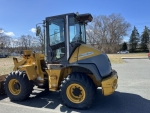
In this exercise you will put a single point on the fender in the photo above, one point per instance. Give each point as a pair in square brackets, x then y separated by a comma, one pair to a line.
[91, 67]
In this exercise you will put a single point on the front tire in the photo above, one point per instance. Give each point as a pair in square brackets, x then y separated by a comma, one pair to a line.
[17, 86]
[77, 91]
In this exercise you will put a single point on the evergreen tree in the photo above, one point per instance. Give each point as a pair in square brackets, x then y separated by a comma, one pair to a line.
[134, 39]
[145, 38]
[124, 46]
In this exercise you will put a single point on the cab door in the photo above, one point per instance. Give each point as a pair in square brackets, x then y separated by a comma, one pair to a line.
[56, 41]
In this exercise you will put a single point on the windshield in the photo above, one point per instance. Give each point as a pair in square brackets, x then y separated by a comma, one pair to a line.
[76, 30]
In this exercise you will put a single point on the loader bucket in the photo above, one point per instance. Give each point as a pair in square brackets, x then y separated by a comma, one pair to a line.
[2, 78]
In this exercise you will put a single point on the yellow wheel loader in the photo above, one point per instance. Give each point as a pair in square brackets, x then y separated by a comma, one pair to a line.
[69, 65]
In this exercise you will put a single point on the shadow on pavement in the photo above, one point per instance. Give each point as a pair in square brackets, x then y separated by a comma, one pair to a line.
[118, 102]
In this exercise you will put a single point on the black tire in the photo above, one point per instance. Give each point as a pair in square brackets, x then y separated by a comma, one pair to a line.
[2, 91]
[86, 83]
[24, 86]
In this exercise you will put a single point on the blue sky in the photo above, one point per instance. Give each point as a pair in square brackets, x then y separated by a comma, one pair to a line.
[18, 17]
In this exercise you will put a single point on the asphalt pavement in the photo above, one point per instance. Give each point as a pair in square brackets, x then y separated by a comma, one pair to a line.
[131, 96]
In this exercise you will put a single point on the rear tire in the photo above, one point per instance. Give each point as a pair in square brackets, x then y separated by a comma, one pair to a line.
[77, 91]
[17, 86]
[2, 91]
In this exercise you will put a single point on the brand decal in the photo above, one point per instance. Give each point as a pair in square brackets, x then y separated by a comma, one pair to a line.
[85, 54]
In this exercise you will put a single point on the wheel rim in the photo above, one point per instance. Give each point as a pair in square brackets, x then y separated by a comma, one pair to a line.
[14, 87]
[75, 93]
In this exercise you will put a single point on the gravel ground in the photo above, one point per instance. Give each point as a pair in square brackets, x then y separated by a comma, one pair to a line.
[131, 96]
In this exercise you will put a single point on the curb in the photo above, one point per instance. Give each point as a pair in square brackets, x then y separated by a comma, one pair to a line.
[134, 57]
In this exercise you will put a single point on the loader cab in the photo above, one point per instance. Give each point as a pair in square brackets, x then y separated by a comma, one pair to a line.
[63, 34]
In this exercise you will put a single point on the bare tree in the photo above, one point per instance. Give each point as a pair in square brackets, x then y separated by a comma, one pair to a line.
[41, 41]
[106, 32]
[21, 43]
[29, 41]
[4, 39]
[24, 42]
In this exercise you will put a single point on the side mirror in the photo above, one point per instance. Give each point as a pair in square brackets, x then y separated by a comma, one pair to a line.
[38, 30]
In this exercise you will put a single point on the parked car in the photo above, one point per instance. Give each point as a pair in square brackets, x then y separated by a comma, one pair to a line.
[123, 52]
[3, 56]
[149, 55]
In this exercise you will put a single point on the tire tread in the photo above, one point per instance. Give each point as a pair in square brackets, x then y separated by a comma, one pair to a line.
[88, 85]
[26, 85]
